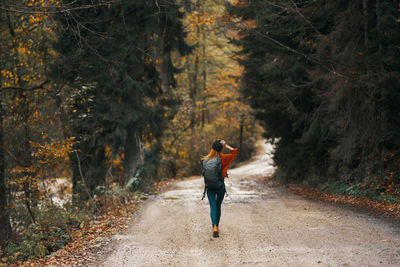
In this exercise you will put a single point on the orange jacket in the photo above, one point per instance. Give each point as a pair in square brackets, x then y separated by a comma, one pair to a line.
[226, 159]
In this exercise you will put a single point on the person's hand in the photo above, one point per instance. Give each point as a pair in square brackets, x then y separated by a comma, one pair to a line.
[223, 143]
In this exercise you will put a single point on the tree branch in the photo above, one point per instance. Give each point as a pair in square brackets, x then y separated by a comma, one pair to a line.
[305, 19]
[331, 70]
[40, 86]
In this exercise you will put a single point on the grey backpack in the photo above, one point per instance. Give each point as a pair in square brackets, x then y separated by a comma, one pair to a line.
[212, 171]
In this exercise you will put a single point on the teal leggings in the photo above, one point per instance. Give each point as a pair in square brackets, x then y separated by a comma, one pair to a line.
[215, 197]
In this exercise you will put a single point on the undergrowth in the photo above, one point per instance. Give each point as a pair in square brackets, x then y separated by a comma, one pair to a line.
[52, 226]
[357, 190]
[382, 193]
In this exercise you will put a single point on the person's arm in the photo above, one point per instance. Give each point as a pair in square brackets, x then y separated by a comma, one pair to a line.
[224, 144]
[227, 159]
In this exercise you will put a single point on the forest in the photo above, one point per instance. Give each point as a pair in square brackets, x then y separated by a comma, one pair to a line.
[323, 78]
[101, 98]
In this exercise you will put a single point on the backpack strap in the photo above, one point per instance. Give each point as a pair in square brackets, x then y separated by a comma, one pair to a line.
[202, 172]
[204, 192]
[202, 167]
[220, 161]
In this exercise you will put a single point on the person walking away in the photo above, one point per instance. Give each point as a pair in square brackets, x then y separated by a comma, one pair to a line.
[215, 166]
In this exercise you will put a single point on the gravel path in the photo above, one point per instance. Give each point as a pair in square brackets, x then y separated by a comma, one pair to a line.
[261, 225]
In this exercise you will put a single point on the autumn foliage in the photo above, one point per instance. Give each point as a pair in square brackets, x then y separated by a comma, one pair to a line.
[100, 99]
[97, 104]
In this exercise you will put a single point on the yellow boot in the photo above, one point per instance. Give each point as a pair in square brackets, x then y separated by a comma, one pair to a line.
[215, 231]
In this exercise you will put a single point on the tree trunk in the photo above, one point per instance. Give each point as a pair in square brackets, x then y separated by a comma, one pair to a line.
[193, 84]
[204, 104]
[193, 75]
[91, 171]
[195, 90]
[365, 19]
[241, 141]
[4, 215]
[378, 25]
[167, 68]
[132, 153]
[78, 193]
[77, 187]
[87, 166]
[192, 92]
[167, 75]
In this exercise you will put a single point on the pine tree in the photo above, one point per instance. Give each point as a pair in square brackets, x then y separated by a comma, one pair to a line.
[275, 81]
[110, 59]
[322, 77]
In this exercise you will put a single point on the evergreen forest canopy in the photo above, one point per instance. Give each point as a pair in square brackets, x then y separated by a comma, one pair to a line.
[324, 78]
[109, 96]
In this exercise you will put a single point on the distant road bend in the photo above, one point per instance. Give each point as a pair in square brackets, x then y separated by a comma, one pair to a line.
[260, 226]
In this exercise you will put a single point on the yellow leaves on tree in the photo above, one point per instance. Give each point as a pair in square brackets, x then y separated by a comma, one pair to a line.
[195, 21]
[182, 153]
[53, 152]
[46, 157]
[240, 3]
[41, 5]
[24, 43]
[114, 160]
[209, 90]
[198, 19]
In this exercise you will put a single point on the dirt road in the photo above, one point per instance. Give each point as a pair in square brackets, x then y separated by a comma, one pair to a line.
[260, 226]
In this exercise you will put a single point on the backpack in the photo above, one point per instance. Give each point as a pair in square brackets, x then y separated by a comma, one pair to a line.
[212, 172]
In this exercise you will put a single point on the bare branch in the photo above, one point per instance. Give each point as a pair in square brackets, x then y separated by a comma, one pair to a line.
[40, 86]
[305, 19]
[84, 184]
[311, 59]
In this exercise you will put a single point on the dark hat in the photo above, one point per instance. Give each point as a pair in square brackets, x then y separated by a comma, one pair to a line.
[217, 146]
